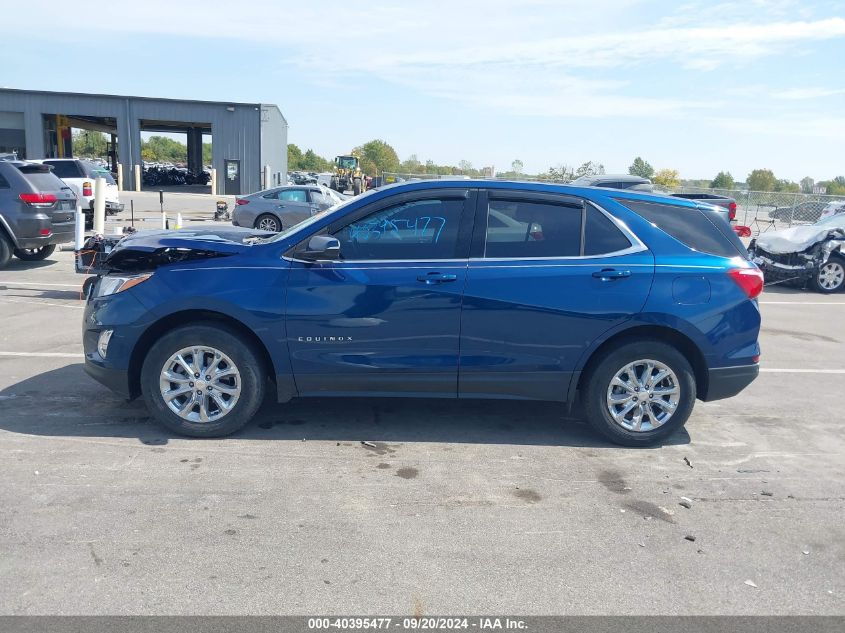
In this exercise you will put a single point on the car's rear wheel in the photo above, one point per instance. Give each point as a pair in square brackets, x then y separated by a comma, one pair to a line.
[830, 276]
[35, 254]
[639, 393]
[5, 250]
[268, 222]
[203, 380]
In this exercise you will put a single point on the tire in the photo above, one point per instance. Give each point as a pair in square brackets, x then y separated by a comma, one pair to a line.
[356, 187]
[270, 222]
[599, 390]
[5, 250]
[830, 277]
[235, 353]
[35, 254]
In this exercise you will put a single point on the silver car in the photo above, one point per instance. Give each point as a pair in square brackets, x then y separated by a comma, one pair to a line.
[281, 207]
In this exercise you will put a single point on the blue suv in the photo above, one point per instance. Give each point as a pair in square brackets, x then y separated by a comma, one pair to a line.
[636, 304]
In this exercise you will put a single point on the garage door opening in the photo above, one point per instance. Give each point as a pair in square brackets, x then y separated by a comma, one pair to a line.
[176, 156]
[86, 137]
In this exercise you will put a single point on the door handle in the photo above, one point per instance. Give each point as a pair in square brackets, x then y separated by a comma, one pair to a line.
[436, 278]
[610, 274]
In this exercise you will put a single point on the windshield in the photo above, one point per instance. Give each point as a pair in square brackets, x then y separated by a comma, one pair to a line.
[836, 221]
[347, 162]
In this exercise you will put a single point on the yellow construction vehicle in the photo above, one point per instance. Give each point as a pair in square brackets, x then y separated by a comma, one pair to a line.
[348, 175]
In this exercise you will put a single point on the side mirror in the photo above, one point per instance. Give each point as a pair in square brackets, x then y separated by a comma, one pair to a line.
[321, 247]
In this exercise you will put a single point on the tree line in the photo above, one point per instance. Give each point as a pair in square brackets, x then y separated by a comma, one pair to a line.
[156, 149]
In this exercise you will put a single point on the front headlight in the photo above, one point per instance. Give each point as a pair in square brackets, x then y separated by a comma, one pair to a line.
[112, 284]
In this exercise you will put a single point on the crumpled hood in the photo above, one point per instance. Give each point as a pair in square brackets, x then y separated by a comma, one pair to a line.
[794, 239]
[146, 250]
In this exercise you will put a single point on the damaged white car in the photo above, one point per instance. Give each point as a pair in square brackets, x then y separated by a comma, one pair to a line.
[812, 254]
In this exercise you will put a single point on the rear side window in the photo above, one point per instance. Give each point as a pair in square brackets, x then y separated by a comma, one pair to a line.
[690, 226]
[4, 184]
[532, 229]
[65, 168]
[601, 236]
[41, 177]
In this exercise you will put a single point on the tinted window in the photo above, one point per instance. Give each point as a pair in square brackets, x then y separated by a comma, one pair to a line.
[691, 227]
[293, 195]
[65, 168]
[41, 178]
[4, 184]
[602, 236]
[610, 184]
[532, 229]
[418, 230]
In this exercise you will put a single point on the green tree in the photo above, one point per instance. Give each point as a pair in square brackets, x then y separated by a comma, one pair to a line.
[206, 153]
[465, 166]
[559, 173]
[787, 186]
[807, 184]
[165, 150]
[668, 178]
[294, 157]
[89, 143]
[517, 167]
[377, 156]
[723, 180]
[589, 169]
[411, 166]
[836, 187]
[311, 161]
[761, 180]
[641, 168]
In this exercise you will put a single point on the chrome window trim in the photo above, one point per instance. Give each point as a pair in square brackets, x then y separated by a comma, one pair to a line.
[637, 245]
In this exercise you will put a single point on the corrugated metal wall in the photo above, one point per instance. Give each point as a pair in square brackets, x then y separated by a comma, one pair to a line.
[236, 128]
[274, 144]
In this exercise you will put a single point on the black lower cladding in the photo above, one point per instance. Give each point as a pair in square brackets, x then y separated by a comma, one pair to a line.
[725, 382]
[115, 379]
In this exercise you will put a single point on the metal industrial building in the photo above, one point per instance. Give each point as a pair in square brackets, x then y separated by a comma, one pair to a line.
[249, 140]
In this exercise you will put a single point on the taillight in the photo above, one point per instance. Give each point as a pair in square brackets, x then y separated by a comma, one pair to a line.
[38, 199]
[749, 279]
[240, 201]
[732, 210]
[87, 189]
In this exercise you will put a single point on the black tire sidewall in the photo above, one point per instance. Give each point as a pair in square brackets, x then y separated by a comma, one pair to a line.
[602, 372]
[236, 347]
[42, 253]
[5, 250]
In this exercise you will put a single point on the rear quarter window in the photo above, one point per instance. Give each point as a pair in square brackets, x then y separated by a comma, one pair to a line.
[690, 226]
[65, 168]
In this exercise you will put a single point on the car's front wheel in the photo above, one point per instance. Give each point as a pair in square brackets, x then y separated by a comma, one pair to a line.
[35, 254]
[830, 277]
[203, 380]
[639, 393]
[268, 222]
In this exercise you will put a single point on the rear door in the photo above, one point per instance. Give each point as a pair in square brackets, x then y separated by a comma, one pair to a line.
[385, 319]
[548, 275]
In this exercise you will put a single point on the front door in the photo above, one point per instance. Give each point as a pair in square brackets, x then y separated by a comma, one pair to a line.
[232, 184]
[548, 276]
[385, 318]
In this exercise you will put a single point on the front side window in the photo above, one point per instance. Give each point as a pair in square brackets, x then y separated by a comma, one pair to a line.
[416, 230]
[317, 197]
[532, 229]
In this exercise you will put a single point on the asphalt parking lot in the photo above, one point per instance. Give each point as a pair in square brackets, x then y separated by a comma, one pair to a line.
[454, 507]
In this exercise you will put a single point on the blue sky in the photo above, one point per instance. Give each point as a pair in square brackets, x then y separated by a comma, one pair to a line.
[695, 86]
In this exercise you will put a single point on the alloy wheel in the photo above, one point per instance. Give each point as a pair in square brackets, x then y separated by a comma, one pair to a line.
[200, 384]
[831, 275]
[268, 224]
[643, 395]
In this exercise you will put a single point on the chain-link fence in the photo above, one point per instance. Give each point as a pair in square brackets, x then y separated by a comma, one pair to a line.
[760, 210]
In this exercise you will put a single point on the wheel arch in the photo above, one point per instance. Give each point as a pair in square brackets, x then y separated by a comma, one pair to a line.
[187, 317]
[677, 339]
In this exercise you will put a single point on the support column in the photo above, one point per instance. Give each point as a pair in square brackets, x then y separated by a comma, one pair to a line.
[195, 150]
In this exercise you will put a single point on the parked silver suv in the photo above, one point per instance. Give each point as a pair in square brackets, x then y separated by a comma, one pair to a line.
[36, 211]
